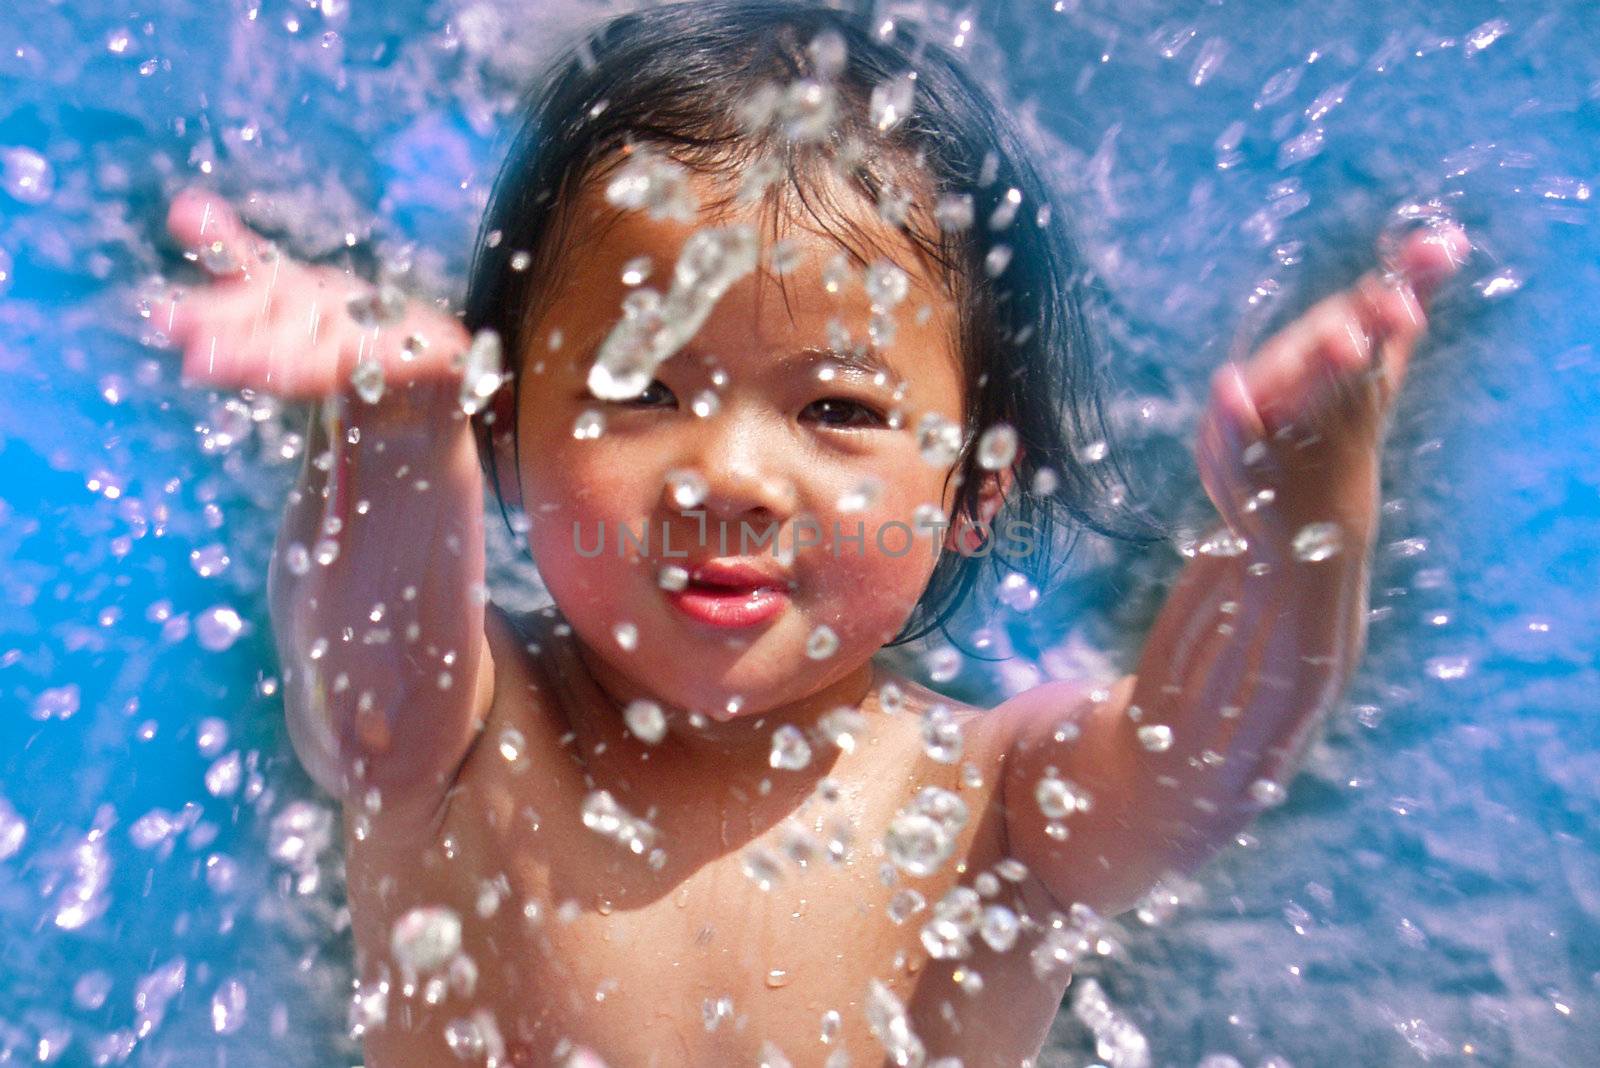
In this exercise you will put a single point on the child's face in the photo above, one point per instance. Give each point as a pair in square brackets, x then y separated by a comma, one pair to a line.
[773, 455]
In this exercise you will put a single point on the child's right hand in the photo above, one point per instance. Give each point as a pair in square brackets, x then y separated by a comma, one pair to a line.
[270, 323]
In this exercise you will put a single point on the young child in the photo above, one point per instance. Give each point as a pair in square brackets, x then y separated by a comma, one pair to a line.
[789, 329]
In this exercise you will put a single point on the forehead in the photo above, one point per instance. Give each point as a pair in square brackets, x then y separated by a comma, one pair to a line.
[816, 242]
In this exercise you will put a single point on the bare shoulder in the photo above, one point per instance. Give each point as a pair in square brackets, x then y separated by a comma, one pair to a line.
[1055, 708]
[980, 742]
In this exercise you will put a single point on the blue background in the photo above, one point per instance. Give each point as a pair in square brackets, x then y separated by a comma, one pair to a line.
[1431, 892]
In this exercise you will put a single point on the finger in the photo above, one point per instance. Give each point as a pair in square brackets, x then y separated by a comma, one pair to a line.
[1429, 257]
[1231, 449]
[204, 221]
[1233, 403]
[171, 314]
[220, 333]
[1392, 315]
[295, 369]
[1297, 368]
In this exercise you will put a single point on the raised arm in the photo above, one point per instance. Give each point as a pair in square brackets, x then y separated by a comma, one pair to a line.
[374, 583]
[1261, 632]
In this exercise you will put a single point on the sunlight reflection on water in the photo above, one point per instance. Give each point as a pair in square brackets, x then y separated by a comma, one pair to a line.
[169, 882]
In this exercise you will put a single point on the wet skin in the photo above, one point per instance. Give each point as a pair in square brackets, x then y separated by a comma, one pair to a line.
[577, 940]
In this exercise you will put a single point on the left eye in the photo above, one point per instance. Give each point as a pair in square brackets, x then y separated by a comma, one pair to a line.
[654, 394]
[842, 412]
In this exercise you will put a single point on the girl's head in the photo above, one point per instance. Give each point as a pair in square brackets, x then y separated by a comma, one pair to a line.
[913, 289]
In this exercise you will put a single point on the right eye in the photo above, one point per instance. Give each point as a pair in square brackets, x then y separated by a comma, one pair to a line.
[653, 396]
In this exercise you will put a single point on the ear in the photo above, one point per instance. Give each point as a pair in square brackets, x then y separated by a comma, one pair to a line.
[503, 453]
[997, 486]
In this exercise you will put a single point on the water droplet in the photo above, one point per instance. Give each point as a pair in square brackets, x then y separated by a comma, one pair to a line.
[382, 305]
[1059, 798]
[1223, 542]
[645, 721]
[13, 830]
[943, 663]
[887, 285]
[154, 991]
[1317, 541]
[1017, 593]
[822, 643]
[941, 734]
[26, 175]
[91, 989]
[656, 185]
[425, 939]
[1156, 737]
[603, 815]
[589, 424]
[954, 212]
[228, 1005]
[59, 702]
[1446, 668]
[905, 904]
[297, 558]
[672, 577]
[862, 497]
[842, 727]
[367, 378]
[714, 1011]
[1485, 35]
[938, 440]
[513, 745]
[886, 1016]
[891, 103]
[222, 873]
[777, 977]
[637, 270]
[217, 628]
[627, 636]
[762, 867]
[999, 928]
[481, 371]
[996, 262]
[210, 560]
[997, 448]
[790, 750]
[1267, 793]
[223, 777]
[476, 1038]
[299, 834]
[923, 834]
[687, 488]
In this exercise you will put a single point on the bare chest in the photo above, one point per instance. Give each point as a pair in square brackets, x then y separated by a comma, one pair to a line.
[716, 928]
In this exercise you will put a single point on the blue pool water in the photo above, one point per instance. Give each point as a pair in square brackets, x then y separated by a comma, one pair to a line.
[169, 884]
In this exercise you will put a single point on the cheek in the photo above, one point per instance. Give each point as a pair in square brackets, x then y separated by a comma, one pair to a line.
[579, 497]
[880, 565]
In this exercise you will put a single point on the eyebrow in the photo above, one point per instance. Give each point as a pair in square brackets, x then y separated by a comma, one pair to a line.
[858, 363]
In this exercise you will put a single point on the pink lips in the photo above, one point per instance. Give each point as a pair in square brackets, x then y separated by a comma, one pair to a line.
[731, 594]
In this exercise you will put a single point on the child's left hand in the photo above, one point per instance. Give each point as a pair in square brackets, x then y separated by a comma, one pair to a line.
[1241, 664]
[1293, 437]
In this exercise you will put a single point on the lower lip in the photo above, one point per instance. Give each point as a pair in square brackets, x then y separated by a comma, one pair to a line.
[731, 607]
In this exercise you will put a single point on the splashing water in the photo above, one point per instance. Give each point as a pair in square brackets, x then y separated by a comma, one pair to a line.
[1219, 161]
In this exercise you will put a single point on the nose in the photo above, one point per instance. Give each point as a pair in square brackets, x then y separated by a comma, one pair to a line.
[745, 462]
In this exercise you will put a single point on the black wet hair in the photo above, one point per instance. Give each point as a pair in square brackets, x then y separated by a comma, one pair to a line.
[672, 78]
